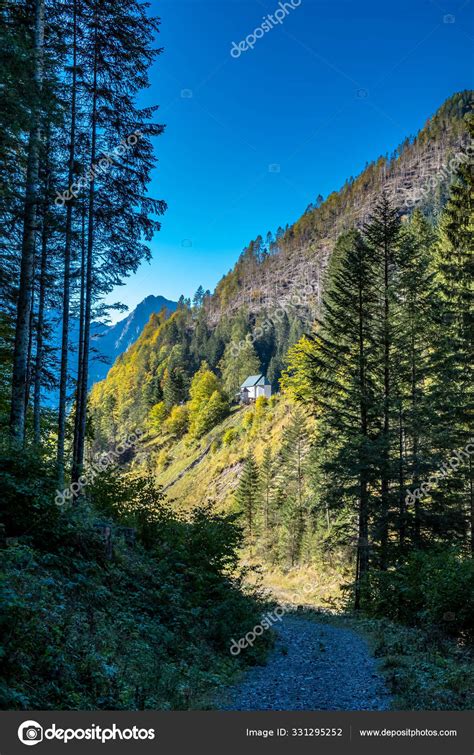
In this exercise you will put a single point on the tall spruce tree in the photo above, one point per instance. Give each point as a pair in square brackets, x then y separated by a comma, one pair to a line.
[381, 234]
[267, 474]
[414, 310]
[336, 373]
[451, 388]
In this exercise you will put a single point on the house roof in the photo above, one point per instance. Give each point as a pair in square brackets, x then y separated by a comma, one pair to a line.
[254, 380]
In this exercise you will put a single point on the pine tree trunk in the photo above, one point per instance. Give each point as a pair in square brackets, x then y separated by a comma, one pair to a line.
[67, 272]
[25, 294]
[82, 408]
[41, 305]
[29, 352]
[362, 561]
[39, 346]
[80, 346]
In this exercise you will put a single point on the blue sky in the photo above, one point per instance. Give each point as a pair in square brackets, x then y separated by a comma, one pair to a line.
[251, 140]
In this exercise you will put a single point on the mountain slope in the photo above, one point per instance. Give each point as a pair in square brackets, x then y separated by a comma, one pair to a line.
[417, 174]
[274, 291]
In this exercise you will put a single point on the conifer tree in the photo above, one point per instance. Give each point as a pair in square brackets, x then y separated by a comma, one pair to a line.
[413, 332]
[247, 495]
[292, 473]
[267, 473]
[451, 390]
[198, 297]
[335, 372]
[381, 234]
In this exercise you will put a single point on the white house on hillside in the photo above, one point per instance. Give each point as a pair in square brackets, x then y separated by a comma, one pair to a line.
[253, 387]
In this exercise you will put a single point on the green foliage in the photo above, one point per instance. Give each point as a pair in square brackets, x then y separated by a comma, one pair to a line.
[157, 416]
[207, 405]
[431, 589]
[424, 671]
[175, 379]
[177, 423]
[267, 488]
[148, 625]
[230, 436]
[237, 364]
[292, 487]
[210, 415]
[28, 493]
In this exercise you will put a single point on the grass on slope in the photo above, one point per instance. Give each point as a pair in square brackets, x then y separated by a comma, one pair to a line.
[209, 469]
[247, 429]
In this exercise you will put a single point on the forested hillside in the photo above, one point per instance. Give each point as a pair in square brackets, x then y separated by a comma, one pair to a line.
[274, 292]
[112, 340]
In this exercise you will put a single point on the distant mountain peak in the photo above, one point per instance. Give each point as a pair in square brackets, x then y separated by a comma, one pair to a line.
[116, 339]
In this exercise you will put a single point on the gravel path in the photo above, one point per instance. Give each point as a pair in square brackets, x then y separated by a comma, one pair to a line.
[314, 666]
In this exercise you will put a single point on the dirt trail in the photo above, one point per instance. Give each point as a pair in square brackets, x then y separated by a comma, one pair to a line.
[314, 666]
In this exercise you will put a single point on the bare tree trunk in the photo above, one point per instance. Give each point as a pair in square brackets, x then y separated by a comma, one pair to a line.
[67, 272]
[82, 408]
[362, 561]
[22, 332]
[80, 346]
[29, 351]
[39, 337]
[41, 304]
